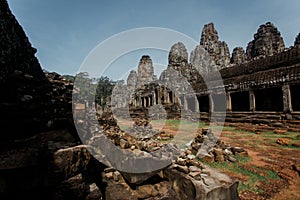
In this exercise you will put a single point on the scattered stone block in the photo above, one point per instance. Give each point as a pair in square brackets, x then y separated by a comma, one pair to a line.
[283, 141]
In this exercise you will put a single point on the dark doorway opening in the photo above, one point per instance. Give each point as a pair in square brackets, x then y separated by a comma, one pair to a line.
[295, 95]
[171, 97]
[203, 103]
[269, 99]
[147, 102]
[240, 101]
[156, 96]
[143, 102]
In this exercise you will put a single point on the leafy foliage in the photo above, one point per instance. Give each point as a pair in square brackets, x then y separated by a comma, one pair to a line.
[96, 90]
[104, 90]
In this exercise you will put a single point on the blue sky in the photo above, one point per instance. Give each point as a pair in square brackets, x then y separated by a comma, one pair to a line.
[65, 32]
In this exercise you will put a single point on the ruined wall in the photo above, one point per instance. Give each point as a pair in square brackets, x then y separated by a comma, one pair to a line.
[32, 106]
[23, 84]
[16, 51]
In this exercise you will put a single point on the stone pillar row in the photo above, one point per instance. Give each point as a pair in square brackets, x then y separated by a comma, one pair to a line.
[163, 96]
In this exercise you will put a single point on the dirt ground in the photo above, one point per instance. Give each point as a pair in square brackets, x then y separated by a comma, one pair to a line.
[279, 164]
[266, 154]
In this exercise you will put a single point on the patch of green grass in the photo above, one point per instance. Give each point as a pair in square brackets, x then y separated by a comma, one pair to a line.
[271, 174]
[271, 138]
[290, 147]
[243, 159]
[124, 127]
[253, 177]
[223, 128]
[255, 145]
[174, 124]
[276, 136]
[244, 132]
[229, 128]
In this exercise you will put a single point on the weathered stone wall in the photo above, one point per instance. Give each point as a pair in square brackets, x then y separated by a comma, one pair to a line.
[31, 104]
[23, 84]
[16, 51]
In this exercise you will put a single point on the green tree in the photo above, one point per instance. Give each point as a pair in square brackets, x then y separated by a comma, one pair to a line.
[85, 87]
[104, 90]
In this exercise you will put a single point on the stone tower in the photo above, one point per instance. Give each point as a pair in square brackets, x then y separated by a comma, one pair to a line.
[267, 42]
[217, 50]
[132, 80]
[145, 71]
[178, 54]
[238, 56]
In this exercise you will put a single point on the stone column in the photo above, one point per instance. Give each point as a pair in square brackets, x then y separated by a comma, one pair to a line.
[185, 103]
[145, 102]
[166, 92]
[252, 101]
[176, 98]
[139, 101]
[179, 101]
[150, 100]
[286, 97]
[196, 104]
[136, 101]
[228, 102]
[159, 96]
[211, 103]
[154, 98]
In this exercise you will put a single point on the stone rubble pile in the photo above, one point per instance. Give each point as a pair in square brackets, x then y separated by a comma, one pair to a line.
[60, 95]
[182, 176]
[210, 149]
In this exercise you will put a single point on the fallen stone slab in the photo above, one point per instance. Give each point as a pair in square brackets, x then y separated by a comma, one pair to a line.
[210, 186]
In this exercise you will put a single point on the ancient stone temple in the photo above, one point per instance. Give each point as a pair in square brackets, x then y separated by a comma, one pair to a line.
[42, 156]
[263, 82]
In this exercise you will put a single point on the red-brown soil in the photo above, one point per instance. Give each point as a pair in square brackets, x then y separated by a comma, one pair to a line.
[266, 155]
